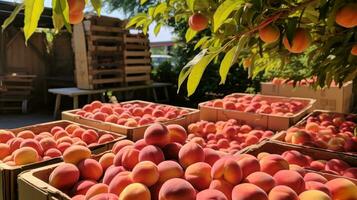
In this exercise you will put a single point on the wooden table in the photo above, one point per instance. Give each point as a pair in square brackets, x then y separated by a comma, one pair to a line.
[76, 92]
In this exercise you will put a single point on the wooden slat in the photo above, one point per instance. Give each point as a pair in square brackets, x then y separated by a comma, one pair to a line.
[80, 57]
[107, 29]
[109, 80]
[137, 61]
[135, 40]
[104, 48]
[135, 46]
[137, 78]
[9, 87]
[137, 53]
[95, 64]
[137, 69]
[105, 38]
[106, 71]
[105, 53]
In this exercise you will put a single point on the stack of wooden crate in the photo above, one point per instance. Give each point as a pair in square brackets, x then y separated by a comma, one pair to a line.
[137, 61]
[107, 55]
[16, 92]
[98, 46]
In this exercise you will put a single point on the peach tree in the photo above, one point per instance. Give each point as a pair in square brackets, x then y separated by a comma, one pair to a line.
[261, 35]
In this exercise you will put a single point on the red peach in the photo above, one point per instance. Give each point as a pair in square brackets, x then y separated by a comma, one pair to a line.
[247, 191]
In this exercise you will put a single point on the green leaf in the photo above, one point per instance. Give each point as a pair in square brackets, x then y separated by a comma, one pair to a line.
[196, 73]
[190, 34]
[97, 5]
[11, 18]
[227, 63]
[60, 15]
[142, 2]
[160, 9]
[201, 42]
[186, 70]
[223, 12]
[291, 29]
[134, 20]
[33, 11]
[190, 4]
[157, 28]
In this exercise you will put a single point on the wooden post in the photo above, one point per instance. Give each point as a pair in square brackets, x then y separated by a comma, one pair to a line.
[2, 52]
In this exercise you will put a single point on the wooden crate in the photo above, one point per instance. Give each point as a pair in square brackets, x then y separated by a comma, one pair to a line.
[34, 184]
[271, 122]
[333, 98]
[98, 47]
[136, 58]
[281, 135]
[8, 174]
[16, 92]
[133, 133]
[275, 147]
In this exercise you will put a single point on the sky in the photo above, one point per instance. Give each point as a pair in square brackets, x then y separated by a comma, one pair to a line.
[164, 35]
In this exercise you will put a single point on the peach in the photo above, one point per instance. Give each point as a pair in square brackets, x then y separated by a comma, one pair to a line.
[262, 180]
[211, 194]
[151, 153]
[53, 153]
[48, 143]
[4, 151]
[191, 153]
[111, 172]
[318, 165]
[248, 163]
[131, 123]
[342, 189]
[59, 134]
[96, 104]
[314, 177]
[218, 103]
[171, 151]
[105, 138]
[295, 157]
[76, 153]
[314, 185]
[140, 144]
[25, 155]
[300, 42]
[90, 136]
[157, 134]
[346, 15]
[269, 34]
[247, 191]
[273, 163]
[178, 189]
[112, 118]
[300, 137]
[65, 139]
[211, 156]
[99, 115]
[199, 175]
[105, 196]
[354, 50]
[312, 126]
[78, 197]
[106, 160]
[82, 187]
[314, 194]
[297, 169]
[96, 189]
[336, 165]
[223, 186]
[350, 173]
[63, 146]
[295, 180]
[120, 144]
[130, 157]
[177, 133]
[76, 6]
[78, 132]
[145, 172]
[119, 182]
[90, 169]
[282, 192]
[135, 191]
[71, 128]
[14, 143]
[64, 176]
[228, 169]
[27, 134]
[6, 136]
[168, 170]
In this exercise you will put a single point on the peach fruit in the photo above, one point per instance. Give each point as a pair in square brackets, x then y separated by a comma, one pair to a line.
[247, 191]
[295, 181]
[262, 180]
[145, 172]
[64, 176]
[76, 153]
[168, 170]
[135, 191]
[90, 169]
[190, 153]
[228, 169]
[157, 134]
[199, 175]
[178, 189]
[282, 192]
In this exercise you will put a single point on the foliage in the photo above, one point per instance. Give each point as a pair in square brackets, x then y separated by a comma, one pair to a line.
[234, 27]
[128, 7]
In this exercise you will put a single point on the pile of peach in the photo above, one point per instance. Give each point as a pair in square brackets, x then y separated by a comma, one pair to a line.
[130, 114]
[326, 130]
[27, 147]
[257, 104]
[162, 167]
[226, 136]
[304, 82]
[333, 166]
